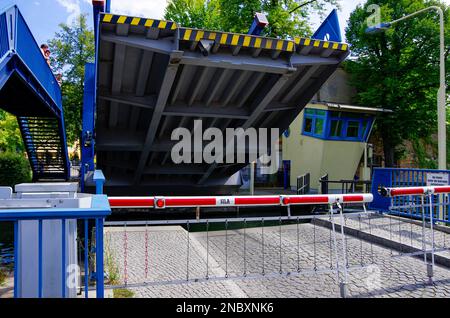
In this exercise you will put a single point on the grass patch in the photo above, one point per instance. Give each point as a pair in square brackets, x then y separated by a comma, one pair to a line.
[123, 293]
[111, 267]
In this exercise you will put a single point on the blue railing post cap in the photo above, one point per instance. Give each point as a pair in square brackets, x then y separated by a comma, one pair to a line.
[98, 176]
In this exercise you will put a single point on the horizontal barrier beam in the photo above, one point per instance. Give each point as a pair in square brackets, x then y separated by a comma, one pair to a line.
[398, 192]
[235, 201]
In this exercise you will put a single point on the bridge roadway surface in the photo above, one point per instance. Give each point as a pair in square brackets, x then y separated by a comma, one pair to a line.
[384, 274]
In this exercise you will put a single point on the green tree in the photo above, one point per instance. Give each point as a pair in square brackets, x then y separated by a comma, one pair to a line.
[397, 70]
[73, 46]
[285, 20]
[14, 169]
[10, 137]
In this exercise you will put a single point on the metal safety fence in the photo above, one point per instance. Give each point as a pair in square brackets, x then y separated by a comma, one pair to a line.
[237, 248]
[339, 243]
[424, 204]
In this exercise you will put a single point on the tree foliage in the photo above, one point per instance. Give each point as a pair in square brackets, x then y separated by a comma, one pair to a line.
[72, 47]
[10, 137]
[237, 15]
[398, 70]
[14, 169]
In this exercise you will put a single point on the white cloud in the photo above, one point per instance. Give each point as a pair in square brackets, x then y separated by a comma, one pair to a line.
[72, 7]
[139, 8]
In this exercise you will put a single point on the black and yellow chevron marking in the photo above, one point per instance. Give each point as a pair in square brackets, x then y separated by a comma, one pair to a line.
[321, 44]
[150, 23]
[233, 39]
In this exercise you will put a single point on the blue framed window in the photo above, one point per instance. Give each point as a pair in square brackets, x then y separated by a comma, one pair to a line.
[314, 123]
[340, 126]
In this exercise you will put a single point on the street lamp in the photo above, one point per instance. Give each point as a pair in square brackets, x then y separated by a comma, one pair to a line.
[442, 133]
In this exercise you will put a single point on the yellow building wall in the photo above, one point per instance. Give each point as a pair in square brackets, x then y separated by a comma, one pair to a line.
[340, 159]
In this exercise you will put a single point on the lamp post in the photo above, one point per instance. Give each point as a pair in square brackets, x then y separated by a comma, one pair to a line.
[442, 132]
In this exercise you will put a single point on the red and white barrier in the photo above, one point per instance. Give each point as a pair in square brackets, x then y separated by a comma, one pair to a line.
[398, 192]
[235, 201]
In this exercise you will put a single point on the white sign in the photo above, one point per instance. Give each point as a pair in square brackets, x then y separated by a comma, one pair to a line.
[225, 201]
[437, 179]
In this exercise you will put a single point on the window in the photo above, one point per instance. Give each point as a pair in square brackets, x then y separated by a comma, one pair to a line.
[314, 122]
[365, 126]
[337, 125]
[352, 129]
[318, 128]
[336, 128]
[308, 125]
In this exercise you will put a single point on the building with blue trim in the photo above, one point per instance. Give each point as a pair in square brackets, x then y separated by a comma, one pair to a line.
[330, 135]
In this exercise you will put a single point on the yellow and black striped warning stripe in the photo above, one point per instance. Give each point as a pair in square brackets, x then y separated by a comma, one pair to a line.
[223, 38]
[234, 39]
[149, 23]
[321, 44]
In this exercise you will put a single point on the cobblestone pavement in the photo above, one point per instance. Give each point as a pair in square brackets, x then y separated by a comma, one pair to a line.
[372, 271]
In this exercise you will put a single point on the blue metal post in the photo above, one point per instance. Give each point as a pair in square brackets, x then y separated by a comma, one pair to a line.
[259, 23]
[86, 258]
[98, 7]
[87, 137]
[108, 6]
[63, 258]
[16, 259]
[286, 166]
[40, 290]
[99, 257]
[99, 180]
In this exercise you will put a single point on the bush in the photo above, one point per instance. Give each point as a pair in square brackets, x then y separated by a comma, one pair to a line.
[14, 169]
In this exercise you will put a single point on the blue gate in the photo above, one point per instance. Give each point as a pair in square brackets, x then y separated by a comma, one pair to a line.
[409, 206]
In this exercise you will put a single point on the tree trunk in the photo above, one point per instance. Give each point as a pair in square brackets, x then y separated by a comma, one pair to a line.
[388, 149]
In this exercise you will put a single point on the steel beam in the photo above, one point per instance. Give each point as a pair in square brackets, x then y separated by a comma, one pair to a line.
[116, 86]
[306, 77]
[299, 60]
[158, 46]
[182, 78]
[147, 102]
[144, 72]
[250, 88]
[169, 78]
[272, 87]
[215, 85]
[247, 63]
[234, 85]
[196, 84]
[206, 112]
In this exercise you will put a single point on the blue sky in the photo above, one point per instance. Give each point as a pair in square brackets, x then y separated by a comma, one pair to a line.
[44, 16]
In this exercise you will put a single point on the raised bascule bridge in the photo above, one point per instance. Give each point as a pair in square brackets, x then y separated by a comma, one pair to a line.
[153, 76]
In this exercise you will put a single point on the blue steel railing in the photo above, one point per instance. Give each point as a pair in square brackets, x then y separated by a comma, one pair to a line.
[98, 212]
[20, 55]
[30, 52]
[408, 206]
[4, 42]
